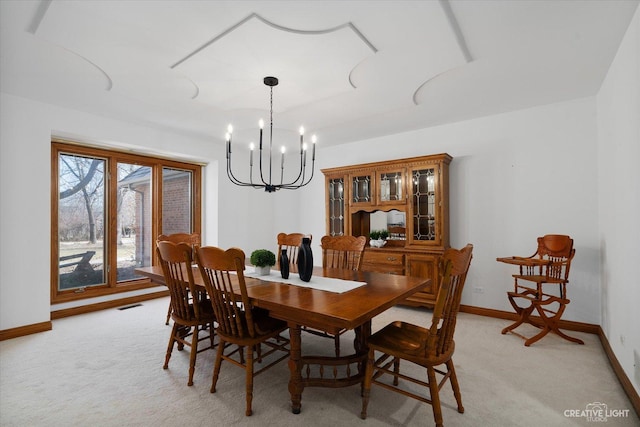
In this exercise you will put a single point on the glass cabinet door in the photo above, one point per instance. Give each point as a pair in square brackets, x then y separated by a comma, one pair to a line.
[424, 205]
[335, 190]
[362, 190]
[391, 187]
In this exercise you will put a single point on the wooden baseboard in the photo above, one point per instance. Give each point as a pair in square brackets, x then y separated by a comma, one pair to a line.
[589, 328]
[508, 315]
[59, 314]
[627, 386]
[7, 334]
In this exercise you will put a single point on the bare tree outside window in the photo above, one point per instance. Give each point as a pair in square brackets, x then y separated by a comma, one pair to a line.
[81, 221]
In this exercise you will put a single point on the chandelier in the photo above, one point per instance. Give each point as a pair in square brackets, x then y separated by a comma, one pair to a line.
[267, 182]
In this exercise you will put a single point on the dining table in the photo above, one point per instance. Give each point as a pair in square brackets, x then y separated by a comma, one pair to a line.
[333, 298]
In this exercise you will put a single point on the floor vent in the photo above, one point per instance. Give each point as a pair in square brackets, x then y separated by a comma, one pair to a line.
[129, 306]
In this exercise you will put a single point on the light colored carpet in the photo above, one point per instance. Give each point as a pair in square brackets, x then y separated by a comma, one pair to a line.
[105, 369]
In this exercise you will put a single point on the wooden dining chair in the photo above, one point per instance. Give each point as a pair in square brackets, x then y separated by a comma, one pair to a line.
[426, 347]
[190, 316]
[291, 243]
[535, 286]
[191, 239]
[341, 252]
[241, 326]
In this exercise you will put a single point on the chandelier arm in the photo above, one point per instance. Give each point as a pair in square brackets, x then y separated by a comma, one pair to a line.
[293, 185]
[299, 172]
[232, 177]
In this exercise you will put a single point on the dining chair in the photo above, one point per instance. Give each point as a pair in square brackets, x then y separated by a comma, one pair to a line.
[190, 316]
[291, 243]
[534, 286]
[341, 252]
[425, 347]
[242, 328]
[192, 239]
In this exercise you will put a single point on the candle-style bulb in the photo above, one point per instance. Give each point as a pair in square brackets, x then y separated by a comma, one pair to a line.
[252, 146]
[283, 149]
[227, 136]
[261, 123]
[314, 139]
[301, 130]
[230, 129]
[304, 146]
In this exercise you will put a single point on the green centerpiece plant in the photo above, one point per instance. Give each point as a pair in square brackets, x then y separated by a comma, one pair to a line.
[263, 260]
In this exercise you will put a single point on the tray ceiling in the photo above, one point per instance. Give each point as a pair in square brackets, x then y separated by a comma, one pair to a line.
[348, 70]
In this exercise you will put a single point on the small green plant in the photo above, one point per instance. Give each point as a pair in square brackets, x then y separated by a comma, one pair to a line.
[379, 234]
[263, 258]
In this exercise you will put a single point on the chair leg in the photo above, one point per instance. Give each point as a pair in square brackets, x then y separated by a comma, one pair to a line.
[249, 380]
[523, 313]
[366, 388]
[435, 397]
[193, 354]
[172, 340]
[551, 322]
[168, 314]
[336, 340]
[212, 334]
[216, 366]
[396, 370]
[454, 385]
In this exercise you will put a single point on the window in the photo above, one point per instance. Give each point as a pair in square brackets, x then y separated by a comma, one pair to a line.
[107, 208]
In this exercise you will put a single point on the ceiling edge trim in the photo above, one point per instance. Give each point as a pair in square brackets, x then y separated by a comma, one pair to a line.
[103, 72]
[455, 27]
[281, 28]
[39, 16]
[415, 93]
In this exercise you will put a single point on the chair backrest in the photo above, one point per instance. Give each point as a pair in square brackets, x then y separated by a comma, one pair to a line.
[455, 265]
[191, 239]
[558, 249]
[342, 251]
[175, 259]
[291, 242]
[220, 270]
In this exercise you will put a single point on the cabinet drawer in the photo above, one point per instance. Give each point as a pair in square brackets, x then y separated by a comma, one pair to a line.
[388, 258]
[384, 268]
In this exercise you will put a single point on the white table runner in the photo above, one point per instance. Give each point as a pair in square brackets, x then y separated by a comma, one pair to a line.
[317, 282]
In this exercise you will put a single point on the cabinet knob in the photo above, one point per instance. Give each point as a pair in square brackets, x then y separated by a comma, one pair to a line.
[390, 258]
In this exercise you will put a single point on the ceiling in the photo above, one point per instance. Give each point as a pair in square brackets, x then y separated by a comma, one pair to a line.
[348, 70]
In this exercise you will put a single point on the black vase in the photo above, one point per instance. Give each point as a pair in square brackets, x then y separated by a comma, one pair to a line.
[284, 264]
[305, 260]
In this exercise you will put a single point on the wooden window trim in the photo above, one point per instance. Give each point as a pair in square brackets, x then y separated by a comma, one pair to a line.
[114, 156]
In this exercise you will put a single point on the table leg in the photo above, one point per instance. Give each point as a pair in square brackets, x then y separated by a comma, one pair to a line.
[363, 332]
[295, 367]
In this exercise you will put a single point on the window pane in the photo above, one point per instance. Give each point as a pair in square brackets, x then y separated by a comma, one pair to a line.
[81, 221]
[176, 201]
[134, 240]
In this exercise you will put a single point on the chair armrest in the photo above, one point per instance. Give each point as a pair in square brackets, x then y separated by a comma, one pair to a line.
[516, 260]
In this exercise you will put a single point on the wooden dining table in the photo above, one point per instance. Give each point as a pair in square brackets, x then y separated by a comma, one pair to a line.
[323, 310]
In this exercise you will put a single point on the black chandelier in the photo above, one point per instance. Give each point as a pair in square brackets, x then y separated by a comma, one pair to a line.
[268, 184]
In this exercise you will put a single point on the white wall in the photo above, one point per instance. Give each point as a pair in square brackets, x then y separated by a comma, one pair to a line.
[514, 177]
[619, 188]
[25, 201]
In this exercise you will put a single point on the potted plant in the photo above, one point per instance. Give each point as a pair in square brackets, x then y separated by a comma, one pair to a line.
[263, 260]
[378, 238]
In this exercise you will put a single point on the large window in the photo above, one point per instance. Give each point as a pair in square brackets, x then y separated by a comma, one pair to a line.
[107, 208]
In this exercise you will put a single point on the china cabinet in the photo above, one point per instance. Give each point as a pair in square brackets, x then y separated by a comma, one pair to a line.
[410, 197]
